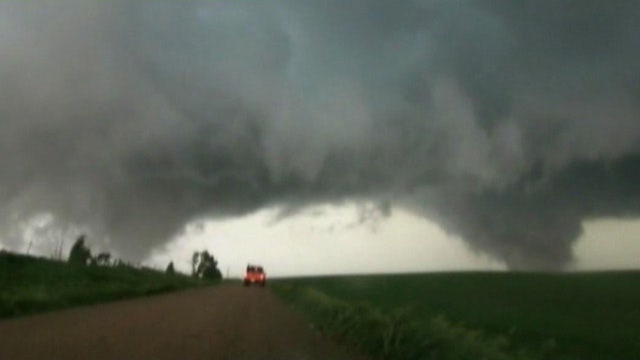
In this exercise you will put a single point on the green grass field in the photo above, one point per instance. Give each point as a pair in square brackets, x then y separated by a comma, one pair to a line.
[586, 315]
[29, 285]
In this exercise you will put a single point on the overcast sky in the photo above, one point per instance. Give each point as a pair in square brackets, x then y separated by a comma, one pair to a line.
[325, 240]
[331, 240]
[511, 126]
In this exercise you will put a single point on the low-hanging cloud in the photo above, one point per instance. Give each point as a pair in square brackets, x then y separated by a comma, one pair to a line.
[509, 123]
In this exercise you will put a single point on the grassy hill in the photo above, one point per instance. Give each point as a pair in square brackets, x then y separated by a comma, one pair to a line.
[586, 315]
[29, 284]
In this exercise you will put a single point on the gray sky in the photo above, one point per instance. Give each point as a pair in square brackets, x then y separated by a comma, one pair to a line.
[324, 240]
[511, 125]
[332, 242]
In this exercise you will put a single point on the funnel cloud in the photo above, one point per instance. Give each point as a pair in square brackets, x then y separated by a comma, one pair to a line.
[508, 123]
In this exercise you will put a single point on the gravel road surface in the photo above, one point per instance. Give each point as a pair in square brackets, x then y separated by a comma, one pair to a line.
[223, 322]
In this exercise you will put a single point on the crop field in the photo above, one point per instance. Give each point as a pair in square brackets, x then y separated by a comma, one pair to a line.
[29, 285]
[571, 316]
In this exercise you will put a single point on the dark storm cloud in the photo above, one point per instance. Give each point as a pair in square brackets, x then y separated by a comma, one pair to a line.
[507, 122]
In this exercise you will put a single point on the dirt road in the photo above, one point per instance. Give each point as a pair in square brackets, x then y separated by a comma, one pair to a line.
[225, 322]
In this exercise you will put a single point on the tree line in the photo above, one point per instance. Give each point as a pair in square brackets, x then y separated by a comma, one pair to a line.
[203, 264]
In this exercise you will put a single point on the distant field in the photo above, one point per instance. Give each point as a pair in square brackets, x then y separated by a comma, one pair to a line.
[587, 315]
[29, 285]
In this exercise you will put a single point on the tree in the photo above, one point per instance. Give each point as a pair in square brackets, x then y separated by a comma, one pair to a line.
[170, 270]
[80, 253]
[207, 267]
[103, 259]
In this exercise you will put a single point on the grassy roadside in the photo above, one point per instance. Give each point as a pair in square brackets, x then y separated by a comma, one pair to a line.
[400, 333]
[586, 316]
[29, 285]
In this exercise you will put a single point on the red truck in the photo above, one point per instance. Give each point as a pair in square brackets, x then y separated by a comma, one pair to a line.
[255, 275]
